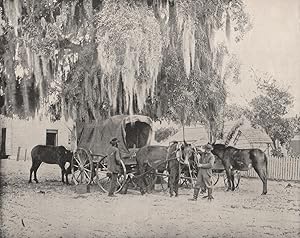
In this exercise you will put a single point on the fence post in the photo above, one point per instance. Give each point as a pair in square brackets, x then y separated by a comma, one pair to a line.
[297, 169]
[25, 154]
[18, 154]
[292, 168]
[270, 167]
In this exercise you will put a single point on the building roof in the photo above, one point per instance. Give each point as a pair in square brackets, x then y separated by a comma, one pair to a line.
[296, 137]
[256, 135]
[252, 135]
[199, 136]
[194, 134]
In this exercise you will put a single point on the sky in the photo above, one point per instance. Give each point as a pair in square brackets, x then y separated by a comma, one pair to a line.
[272, 46]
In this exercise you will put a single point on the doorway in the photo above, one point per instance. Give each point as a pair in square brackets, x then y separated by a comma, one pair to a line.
[51, 137]
[3, 144]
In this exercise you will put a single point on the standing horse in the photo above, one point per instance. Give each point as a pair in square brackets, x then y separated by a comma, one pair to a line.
[158, 158]
[50, 155]
[242, 160]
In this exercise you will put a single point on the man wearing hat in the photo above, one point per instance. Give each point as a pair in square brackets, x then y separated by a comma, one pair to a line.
[114, 160]
[205, 166]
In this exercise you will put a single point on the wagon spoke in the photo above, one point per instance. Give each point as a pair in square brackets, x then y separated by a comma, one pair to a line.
[86, 174]
[118, 183]
[87, 164]
[120, 180]
[102, 167]
[88, 170]
[78, 161]
[79, 175]
[102, 163]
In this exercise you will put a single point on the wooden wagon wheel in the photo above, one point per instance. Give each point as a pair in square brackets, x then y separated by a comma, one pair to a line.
[163, 180]
[150, 179]
[215, 178]
[82, 167]
[237, 178]
[185, 177]
[103, 179]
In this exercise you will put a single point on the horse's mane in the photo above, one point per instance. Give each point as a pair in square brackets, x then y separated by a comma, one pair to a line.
[173, 146]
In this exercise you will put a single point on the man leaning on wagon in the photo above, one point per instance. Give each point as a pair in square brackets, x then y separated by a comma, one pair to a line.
[113, 164]
[205, 166]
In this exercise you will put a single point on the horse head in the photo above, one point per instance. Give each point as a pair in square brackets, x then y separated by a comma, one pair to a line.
[188, 152]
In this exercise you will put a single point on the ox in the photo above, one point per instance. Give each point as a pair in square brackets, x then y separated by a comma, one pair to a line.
[50, 155]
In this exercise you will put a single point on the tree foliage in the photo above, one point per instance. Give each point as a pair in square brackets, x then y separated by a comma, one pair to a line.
[269, 109]
[234, 112]
[93, 59]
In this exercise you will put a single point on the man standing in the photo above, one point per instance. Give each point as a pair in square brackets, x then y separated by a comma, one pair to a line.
[114, 160]
[205, 166]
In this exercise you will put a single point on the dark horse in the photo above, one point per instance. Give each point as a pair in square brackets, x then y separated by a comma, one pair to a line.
[242, 160]
[50, 155]
[158, 158]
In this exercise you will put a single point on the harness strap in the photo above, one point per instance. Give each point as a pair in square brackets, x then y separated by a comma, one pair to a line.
[152, 168]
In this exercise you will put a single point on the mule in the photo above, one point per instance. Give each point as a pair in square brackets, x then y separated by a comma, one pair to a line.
[158, 158]
[50, 155]
[242, 160]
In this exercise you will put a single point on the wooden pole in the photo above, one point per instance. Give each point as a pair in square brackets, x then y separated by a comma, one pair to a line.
[18, 154]
[182, 122]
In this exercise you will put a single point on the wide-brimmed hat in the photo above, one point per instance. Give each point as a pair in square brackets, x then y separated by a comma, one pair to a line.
[208, 147]
[114, 140]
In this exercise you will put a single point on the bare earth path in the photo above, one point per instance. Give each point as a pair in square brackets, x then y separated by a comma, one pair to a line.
[60, 212]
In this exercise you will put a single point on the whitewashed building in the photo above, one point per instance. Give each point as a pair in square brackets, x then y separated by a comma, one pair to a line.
[18, 137]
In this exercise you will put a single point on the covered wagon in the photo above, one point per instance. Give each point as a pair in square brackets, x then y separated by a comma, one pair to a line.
[89, 160]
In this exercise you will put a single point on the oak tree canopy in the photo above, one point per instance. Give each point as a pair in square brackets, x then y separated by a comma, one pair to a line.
[90, 59]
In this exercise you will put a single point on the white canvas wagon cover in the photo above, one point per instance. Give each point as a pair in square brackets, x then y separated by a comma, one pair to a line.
[131, 130]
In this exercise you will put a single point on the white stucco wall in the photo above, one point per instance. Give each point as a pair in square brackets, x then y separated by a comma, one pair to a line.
[28, 133]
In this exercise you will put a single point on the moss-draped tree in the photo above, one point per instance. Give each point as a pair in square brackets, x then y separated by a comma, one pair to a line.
[90, 59]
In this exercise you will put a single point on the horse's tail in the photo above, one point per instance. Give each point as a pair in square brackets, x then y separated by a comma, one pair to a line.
[266, 161]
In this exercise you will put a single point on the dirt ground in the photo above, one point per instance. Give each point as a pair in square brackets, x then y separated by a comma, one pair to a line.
[51, 209]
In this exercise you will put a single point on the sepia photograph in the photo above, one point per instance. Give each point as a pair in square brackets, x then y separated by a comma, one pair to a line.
[149, 118]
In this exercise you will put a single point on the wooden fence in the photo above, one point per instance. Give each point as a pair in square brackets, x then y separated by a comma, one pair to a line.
[279, 169]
